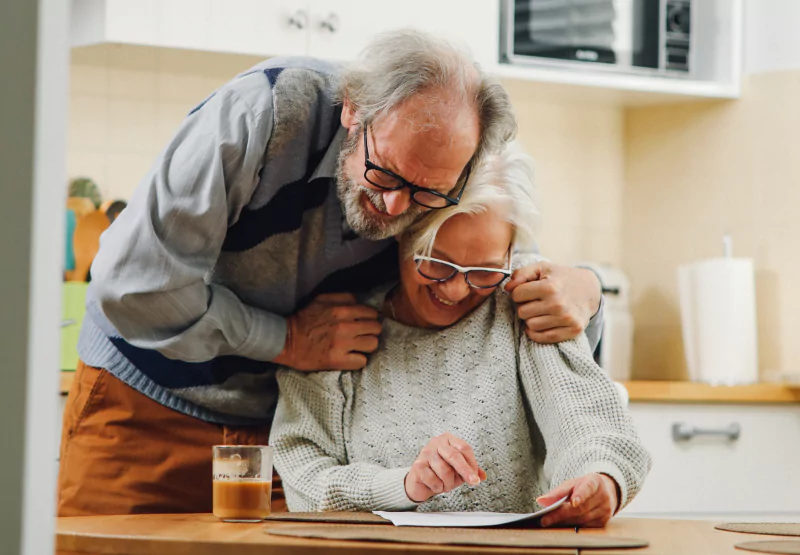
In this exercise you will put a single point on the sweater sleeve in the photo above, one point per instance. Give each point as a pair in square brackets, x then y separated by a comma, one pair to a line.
[148, 278]
[310, 454]
[581, 417]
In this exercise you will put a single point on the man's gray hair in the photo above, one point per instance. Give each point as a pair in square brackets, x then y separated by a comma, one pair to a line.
[400, 64]
[503, 182]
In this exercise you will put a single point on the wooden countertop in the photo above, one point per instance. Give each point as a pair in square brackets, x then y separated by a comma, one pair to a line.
[693, 392]
[205, 535]
[670, 392]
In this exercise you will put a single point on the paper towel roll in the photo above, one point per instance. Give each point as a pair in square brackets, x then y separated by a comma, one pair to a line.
[718, 315]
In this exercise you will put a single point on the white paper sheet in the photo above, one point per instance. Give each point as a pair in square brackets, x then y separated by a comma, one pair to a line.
[462, 519]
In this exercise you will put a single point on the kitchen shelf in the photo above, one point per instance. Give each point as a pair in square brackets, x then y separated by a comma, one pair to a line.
[693, 392]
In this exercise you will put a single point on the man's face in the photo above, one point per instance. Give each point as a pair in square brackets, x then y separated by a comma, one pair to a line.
[431, 156]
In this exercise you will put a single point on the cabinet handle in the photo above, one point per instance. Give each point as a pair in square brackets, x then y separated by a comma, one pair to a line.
[330, 23]
[685, 432]
[298, 20]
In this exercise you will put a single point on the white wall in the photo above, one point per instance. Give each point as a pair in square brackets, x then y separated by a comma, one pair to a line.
[772, 35]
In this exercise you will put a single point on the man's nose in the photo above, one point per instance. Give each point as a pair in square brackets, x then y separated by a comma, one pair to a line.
[454, 289]
[397, 202]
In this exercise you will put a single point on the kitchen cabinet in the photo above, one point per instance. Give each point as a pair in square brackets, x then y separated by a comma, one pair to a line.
[721, 475]
[332, 29]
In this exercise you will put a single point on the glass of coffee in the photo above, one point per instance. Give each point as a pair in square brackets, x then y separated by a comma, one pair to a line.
[242, 482]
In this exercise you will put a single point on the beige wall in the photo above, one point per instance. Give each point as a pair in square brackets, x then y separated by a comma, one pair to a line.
[126, 102]
[579, 152]
[696, 171]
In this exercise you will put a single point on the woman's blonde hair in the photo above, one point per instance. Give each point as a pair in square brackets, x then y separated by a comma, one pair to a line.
[503, 182]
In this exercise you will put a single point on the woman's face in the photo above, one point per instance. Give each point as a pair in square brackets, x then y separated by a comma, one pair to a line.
[478, 240]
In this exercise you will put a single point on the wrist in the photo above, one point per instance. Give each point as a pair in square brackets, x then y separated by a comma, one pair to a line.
[284, 358]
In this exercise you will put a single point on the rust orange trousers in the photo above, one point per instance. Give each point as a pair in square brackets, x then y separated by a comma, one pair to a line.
[123, 453]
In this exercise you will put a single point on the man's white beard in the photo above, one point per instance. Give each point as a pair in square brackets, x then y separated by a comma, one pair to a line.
[364, 223]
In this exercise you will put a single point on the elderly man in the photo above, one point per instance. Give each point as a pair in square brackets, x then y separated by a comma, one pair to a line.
[278, 197]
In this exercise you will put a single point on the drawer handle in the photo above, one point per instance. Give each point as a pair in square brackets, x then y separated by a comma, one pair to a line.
[685, 432]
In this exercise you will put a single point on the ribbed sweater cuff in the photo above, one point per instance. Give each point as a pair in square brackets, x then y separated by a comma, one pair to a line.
[612, 470]
[389, 491]
[267, 336]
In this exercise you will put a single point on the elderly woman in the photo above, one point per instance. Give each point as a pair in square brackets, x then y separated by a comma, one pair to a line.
[458, 410]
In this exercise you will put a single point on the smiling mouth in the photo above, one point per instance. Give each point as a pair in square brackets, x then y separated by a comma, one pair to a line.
[438, 300]
[374, 209]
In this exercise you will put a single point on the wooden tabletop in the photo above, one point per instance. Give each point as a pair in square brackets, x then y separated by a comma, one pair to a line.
[205, 535]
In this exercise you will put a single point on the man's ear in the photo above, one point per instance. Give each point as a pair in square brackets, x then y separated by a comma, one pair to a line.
[349, 120]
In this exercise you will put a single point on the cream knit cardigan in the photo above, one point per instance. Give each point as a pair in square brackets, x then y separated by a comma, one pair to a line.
[535, 415]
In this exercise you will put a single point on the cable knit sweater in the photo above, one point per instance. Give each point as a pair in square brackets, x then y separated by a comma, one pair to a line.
[535, 415]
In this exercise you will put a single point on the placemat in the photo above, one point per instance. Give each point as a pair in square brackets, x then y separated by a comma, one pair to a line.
[341, 517]
[781, 547]
[771, 528]
[457, 536]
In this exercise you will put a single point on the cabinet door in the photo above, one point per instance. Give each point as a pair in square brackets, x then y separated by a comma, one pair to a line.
[125, 21]
[267, 27]
[184, 23]
[341, 28]
[713, 476]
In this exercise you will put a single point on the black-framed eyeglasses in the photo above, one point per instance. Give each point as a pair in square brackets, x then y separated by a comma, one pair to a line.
[442, 270]
[390, 181]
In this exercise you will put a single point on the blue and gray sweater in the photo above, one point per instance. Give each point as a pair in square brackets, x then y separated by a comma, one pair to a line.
[235, 227]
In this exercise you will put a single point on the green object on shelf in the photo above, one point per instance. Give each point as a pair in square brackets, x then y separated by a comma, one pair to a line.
[86, 188]
[73, 301]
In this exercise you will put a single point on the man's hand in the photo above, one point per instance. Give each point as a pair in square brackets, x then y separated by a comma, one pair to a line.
[331, 333]
[593, 501]
[444, 463]
[556, 302]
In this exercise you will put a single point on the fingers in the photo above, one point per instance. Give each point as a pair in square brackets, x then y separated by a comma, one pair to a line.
[364, 344]
[556, 335]
[456, 460]
[524, 275]
[425, 475]
[469, 455]
[542, 323]
[349, 361]
[562, 490]
[445, 472]
[354, 312]
[585, 489]
[359, 327]
[598, 516]
[544, 289]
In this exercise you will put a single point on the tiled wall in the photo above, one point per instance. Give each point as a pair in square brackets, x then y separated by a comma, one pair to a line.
[126, 102]
[694, 172]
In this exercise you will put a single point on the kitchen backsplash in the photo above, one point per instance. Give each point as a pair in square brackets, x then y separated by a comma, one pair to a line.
[696, 171]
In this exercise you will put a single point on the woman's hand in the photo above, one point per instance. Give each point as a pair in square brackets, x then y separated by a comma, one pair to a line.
[593, 501]
[444, 463]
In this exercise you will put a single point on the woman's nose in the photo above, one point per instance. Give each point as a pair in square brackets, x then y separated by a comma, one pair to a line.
[454, 289]
[397, 202]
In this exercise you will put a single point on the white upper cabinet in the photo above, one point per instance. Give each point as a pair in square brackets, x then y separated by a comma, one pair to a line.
[340, 29]
[268, 27]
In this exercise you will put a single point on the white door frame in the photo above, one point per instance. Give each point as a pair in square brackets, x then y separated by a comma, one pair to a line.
[34, 95]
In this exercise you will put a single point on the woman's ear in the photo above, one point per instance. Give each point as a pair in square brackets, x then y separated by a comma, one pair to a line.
[348, 118]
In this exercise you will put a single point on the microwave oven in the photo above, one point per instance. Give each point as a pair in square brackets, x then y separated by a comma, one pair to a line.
[628, 36]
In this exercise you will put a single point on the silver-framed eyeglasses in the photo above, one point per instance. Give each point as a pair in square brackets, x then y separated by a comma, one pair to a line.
[440, 271]
[390, 181]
